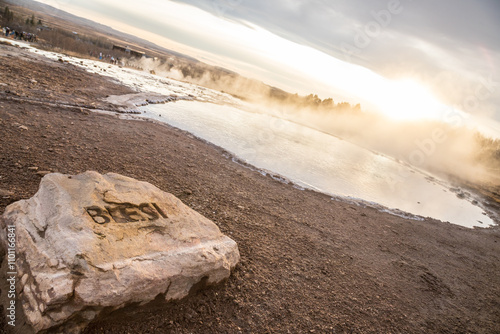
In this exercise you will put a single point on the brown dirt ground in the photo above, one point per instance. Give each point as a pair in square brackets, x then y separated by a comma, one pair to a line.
[308, 264]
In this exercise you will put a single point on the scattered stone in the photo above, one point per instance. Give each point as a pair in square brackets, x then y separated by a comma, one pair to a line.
[33, 168]
[22, 127]
[188, 192]
[5, 193]
[93, 242]
[43, 172]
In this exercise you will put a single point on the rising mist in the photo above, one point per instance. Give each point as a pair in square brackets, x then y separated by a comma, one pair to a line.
[444, 147]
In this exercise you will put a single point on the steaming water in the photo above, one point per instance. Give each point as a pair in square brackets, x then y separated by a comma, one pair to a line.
[305, 156]
[320, 161]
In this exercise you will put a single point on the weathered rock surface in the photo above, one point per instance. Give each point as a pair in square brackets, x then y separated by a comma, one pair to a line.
[92, 241]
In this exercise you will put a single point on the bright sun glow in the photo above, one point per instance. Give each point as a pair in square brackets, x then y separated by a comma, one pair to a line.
[408, 100]
[398, 99]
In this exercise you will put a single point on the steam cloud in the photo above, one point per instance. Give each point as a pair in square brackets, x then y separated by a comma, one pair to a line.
[438, 147]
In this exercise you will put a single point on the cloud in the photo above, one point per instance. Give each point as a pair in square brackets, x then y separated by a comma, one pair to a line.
[423, 40]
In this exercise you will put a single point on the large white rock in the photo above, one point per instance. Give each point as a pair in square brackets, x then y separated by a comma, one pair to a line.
[92, 241]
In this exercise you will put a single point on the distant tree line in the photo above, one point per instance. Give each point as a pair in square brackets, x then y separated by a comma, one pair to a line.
[489, 153]
[59, 39]
[31, 21]
[10, 19]
[7, 15]
[311, 101]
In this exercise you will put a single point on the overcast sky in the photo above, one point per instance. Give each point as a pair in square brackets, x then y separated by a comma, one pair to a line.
[450, 46]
